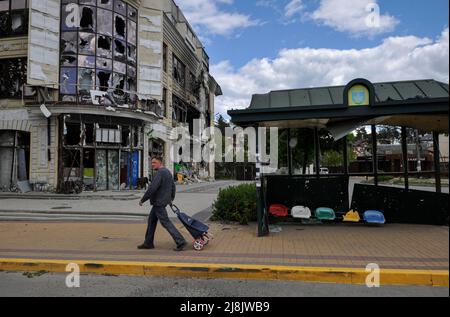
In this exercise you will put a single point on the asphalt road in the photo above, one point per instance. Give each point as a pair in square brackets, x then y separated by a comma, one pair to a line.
[54, 285]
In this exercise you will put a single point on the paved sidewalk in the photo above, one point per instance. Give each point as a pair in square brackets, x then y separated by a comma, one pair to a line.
[193, 199]
[409, 247]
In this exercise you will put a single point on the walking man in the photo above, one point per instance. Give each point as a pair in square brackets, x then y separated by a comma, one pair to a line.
[161, 193]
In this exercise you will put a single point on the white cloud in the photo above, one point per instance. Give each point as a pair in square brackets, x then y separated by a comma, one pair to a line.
[353, 17]
[293, 7]
[396, 58]
[208, 18]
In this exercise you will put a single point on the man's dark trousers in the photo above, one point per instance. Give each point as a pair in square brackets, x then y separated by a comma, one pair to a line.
[160, 213]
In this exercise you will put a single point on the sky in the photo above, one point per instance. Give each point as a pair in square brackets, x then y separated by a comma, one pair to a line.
[256, 46]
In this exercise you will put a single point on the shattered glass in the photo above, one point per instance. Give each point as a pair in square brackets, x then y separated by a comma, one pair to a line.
[104, 48]
[12, 85]
[104, 80]
[119, 86]
[68, 60]
[132, 55]
[86, 80]
[131, 71]
[69, 43]
[104, 22]
[88, 19]
[87, 43]
[68, 98]
[103, 63]
[119, 27]
[19, 22]
[119, 51]
[132, 86]
[132, 13]
[120, 7]
[68, 81]
[86, 61]
[131, 32]
[107, 4]
[120, 67]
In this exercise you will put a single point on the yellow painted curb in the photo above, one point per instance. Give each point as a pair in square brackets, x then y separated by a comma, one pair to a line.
[223, 271]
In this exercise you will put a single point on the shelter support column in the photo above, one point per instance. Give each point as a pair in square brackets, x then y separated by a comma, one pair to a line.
[317, 150]
[405, 158]
[437, 162]
[375, 154]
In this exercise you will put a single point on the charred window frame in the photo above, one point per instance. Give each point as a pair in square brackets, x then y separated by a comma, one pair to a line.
[100, 54]
[12, 86]
[179, 113]
[179, 71]
[13, 18]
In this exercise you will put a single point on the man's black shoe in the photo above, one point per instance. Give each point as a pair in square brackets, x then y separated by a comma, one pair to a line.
[180, 247]
[146, 247]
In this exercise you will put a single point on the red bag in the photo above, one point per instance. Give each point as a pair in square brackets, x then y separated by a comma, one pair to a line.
[279, 210]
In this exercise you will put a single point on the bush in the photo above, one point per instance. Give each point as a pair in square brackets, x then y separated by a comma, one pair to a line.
[236, 203]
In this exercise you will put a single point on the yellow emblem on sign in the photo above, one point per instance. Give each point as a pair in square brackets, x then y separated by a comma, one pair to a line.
[359, 95]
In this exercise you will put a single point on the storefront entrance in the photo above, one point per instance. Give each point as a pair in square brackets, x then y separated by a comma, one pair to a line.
[14, 158]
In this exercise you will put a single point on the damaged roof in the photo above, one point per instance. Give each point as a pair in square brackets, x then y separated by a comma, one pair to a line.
[401, 91]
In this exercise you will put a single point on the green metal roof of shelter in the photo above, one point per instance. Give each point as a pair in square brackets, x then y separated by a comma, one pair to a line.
[392, 103]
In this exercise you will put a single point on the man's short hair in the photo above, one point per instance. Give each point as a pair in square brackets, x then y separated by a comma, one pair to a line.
[157, 158]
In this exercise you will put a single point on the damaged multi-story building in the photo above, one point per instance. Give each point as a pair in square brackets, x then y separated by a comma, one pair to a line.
[91, 89]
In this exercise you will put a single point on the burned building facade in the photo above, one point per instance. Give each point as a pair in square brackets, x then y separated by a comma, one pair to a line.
[91, 90]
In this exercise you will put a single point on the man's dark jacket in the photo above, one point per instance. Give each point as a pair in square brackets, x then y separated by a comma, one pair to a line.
[162, 189]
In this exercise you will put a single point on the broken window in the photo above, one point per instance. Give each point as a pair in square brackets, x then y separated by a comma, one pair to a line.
[120, 67]
[104, 22]
[11, 86]
[131, 32]
[179, 71]
[131, 71]
[69, 43]
[119, 87]
[132, 86]
[107, 4]
[86, 80]
[132, 13]
[103, 80]
[132, 55]
[87, 21]
[119, 27]
[120, 7]
[68, 81]
[119, 51]
[68, 60]
[104, 48]
[86, 61]
[87, 44]
[103, 63]
[13, 17]
[19, 22]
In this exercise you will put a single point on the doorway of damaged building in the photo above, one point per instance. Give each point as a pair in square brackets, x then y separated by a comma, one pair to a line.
[339, 145]
[14, 158]
[99, 153]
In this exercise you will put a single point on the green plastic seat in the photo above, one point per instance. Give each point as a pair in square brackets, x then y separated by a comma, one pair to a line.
[324, 213]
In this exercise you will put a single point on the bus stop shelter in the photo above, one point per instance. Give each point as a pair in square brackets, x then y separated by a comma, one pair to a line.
[416, 104]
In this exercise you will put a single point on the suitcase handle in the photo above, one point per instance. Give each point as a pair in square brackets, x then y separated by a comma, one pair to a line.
[174, 208]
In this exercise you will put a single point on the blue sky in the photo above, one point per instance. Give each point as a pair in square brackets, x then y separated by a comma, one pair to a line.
[260, 45]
